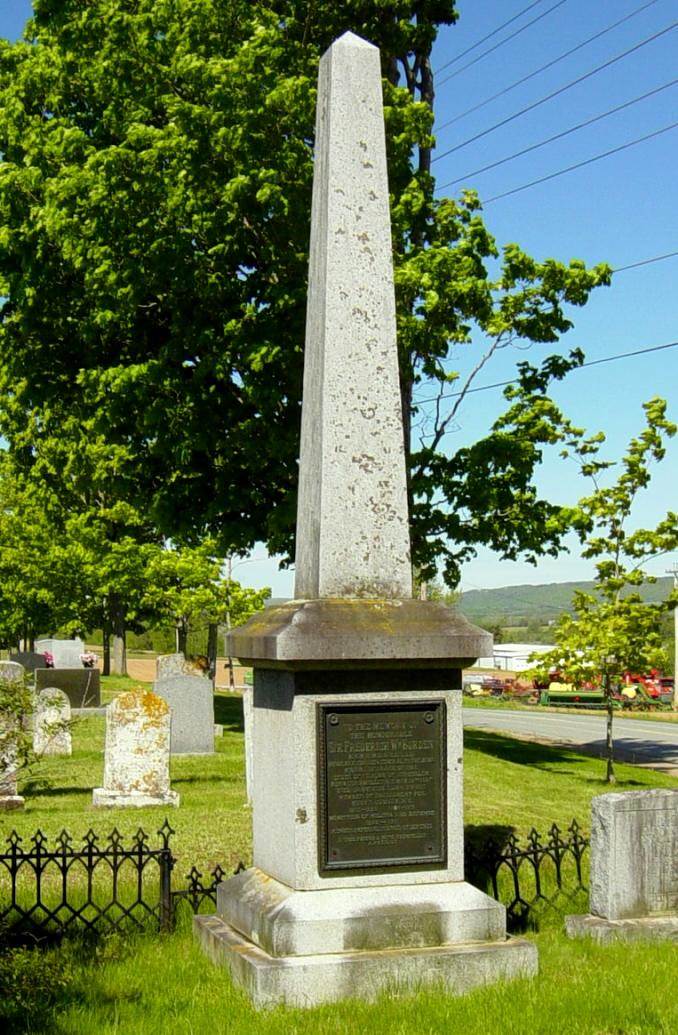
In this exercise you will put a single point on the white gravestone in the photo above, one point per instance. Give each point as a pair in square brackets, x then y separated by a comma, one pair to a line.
[137, 754]
[634, 867]
[65, 653]
[357, 883]
[10, 800]
[191, 699]
[51, 723]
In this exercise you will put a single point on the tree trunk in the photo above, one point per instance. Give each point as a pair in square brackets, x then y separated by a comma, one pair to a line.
[119, 652]
[181, 636]
[610, 777]
[31, 642]
[212, 633]
[106, 641]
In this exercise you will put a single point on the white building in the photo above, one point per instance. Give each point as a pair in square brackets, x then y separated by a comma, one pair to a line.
[512, 657]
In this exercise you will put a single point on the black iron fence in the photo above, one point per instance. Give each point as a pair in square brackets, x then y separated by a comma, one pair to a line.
[102, 885]
[532, 877]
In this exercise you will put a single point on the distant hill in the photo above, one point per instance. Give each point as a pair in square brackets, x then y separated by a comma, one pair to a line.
[516, 605]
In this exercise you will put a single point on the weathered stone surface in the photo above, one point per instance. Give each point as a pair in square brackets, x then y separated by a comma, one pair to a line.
[82, 686]
[191, 699]
[284, 922]
[170, 665]
[136, 766]
[51, 730]
[65, 653]
[285, 800]
[9, 798]
[29, 659]
[248, 724]
[306, 981]
[11, 671]
[330, 633]
[352, 519]
[639, 929]
[634, 854]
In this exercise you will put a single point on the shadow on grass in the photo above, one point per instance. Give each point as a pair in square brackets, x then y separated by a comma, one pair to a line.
[521, 752]
[228, 712]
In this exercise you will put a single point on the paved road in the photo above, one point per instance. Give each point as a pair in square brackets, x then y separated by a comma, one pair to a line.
[647, 743]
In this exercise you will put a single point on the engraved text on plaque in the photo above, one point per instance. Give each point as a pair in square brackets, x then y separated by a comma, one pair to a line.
[381, 785]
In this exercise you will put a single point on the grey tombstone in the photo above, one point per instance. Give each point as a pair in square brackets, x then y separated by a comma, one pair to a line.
[51, 723]
[168, 665]
[358, 877]
[65, 653]
[10, 799]
[11, 671]
[82, 686]
[191, 699]
[137, 753]
[29, 659]
[248, 730]
[634, 868]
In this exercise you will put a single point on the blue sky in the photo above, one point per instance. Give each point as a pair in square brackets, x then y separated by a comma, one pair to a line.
[621, 209]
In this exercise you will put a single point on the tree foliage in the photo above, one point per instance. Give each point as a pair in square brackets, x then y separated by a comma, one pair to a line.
[613, 631]
[154, 224]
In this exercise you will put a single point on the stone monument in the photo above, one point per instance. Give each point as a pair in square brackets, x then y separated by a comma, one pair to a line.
[634, 868]
[191, 699]
[82, 686]
[358, 876]
[137, 753]
[11, 671]
[168, 665]
[51, 723]
[65, 653]
[10, 799]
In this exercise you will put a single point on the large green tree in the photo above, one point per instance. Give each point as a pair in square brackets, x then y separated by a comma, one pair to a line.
[154, 223]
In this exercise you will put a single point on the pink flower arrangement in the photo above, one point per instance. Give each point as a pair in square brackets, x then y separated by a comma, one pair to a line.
[49, 659]
[89, 659]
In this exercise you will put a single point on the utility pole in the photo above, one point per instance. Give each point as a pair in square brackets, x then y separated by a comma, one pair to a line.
[674, 571]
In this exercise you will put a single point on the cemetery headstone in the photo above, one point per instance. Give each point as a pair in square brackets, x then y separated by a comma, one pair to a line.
[137, 753]
[65, 653]
[11, 671]
[191, 699]
[29, 659]
[634, 868]
[51, 723]
[169, 665]
[358, 876]
[248, 729]
[10, 800]
[82, 686]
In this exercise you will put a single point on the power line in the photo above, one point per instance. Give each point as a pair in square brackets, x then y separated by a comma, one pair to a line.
[489, 36]
[559, 136]
[580, 165]
[589, 363]
[645, 262]
[560, 90]
[496, 46]
[543, 68]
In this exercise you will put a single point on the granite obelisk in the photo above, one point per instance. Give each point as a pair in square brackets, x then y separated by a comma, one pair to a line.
[357, 881]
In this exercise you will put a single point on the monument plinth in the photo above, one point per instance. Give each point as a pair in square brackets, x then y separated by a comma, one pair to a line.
[358, 876]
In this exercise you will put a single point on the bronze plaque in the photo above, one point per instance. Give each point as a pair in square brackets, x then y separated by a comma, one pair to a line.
[382, 798]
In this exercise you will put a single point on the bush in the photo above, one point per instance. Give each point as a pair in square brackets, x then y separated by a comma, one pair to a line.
[31, 980]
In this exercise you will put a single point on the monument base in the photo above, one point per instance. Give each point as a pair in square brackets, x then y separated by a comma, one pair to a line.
[101, 798]
[645, 928]
[306, 981]
[12, 803]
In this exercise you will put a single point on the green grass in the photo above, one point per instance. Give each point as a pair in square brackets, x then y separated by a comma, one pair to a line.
[145, 985]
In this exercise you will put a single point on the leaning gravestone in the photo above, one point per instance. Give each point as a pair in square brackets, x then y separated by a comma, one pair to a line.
[51, 723]
[191, 699]
[137, 753]
[634, 868]
[358, 877]
[82, 686]
[65, 653]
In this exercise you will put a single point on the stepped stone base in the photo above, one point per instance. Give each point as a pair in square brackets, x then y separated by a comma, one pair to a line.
[306, 981]
[646, 928]
[101, 798]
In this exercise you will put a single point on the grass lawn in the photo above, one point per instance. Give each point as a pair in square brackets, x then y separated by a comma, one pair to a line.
[147, 983]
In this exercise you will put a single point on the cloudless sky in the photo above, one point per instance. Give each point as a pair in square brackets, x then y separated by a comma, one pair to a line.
[621, 209]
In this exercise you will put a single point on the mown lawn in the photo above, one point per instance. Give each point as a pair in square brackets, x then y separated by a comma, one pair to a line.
[149, 983]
